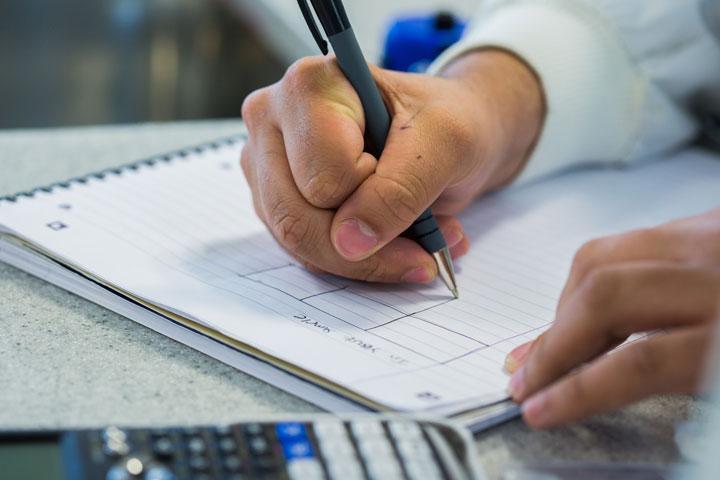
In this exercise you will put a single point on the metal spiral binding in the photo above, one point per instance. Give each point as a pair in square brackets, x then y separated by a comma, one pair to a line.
[148, 162]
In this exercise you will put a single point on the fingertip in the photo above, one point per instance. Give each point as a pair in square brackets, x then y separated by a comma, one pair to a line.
[460, 249]
[366, 164]
[451, 229]
[407, 262]
[537, 412]
[516, 387]
[516, 358]
[354, 240]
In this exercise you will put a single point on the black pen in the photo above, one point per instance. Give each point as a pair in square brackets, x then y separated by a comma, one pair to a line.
[334, 20]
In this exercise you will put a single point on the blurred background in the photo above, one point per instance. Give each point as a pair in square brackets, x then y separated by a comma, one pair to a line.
[81, 62]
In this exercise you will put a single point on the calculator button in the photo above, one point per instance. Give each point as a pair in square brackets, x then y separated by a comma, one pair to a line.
[259, 446]
[159, 472]
[374, 447]
[253, 429]
[418, 470]
[290, 430]
[227, 445]
[297, 448]
[329, 428]
[118, 473]
[367, 428]
[385, 469]
[164, 447]
[405, 430]
[232, 463]
[196, 445]
[115, 448]
[305, 469]
[346, 471]
[114, 434]
[410, 449]
[223, 430]
[198, 463]
[134, 466]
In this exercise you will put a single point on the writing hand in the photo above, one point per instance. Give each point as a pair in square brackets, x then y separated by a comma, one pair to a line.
[338, 209]
[663, 279]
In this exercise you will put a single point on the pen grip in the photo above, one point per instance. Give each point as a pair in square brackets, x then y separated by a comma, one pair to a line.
[425, 229]
[426, 232]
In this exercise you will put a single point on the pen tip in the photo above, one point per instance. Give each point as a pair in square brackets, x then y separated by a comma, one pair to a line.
[446, 270]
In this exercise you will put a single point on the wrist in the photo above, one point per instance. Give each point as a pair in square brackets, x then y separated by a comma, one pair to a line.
[511, 111]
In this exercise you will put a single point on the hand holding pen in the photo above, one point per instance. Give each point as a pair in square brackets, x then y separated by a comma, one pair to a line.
[339, 209]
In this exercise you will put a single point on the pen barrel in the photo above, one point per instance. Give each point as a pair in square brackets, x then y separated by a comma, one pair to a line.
[352, 63]
[426, 232]
[350, 58]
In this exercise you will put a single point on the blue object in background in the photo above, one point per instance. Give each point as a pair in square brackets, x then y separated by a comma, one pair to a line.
[412, 43]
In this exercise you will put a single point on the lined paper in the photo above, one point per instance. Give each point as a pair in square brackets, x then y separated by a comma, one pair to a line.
[182, 235]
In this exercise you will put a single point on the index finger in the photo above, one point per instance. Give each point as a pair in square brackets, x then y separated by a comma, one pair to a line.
[661, 364]
[322, 124]
[613, 304]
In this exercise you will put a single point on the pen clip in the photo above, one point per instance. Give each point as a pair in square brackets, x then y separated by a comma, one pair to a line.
[314, 30]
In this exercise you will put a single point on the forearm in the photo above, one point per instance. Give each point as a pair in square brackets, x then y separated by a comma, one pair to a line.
[617, 76]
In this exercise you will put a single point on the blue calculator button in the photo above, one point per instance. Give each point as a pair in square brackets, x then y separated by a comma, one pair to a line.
[299, 448]
[290, 430]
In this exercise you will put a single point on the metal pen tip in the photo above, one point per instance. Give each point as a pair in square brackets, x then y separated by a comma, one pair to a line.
[446, 271]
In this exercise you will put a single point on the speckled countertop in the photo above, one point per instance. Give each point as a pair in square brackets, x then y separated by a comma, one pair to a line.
[65, 362]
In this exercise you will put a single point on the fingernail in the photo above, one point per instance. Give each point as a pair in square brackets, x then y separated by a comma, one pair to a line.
[453, 237]
[535, 410]
[517, 357]
[354, 238]
[517, 384]
[417, 275]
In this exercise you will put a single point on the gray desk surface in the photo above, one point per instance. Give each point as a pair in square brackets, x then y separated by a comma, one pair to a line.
[65, 362]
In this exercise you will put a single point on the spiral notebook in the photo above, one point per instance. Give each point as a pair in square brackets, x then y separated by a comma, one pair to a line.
[173, 243]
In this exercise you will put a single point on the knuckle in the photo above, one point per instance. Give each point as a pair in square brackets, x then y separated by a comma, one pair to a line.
[600, 287]
[302, 74]
[647, 237]
[245, 161]
[539, 363]
[585, 257]
[324, 189]
[402, 199]
[291, 228]
[254, 107]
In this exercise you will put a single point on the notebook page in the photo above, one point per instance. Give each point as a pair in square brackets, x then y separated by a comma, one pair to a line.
[183, 235]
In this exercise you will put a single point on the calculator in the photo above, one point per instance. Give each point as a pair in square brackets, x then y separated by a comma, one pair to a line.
[357, 447]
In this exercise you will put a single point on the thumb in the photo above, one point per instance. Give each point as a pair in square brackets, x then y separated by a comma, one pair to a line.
[410, 175]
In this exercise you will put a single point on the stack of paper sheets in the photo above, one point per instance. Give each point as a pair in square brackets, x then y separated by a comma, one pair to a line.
[174, 243]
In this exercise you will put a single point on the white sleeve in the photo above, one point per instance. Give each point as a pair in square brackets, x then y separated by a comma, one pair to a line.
[618, 76]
